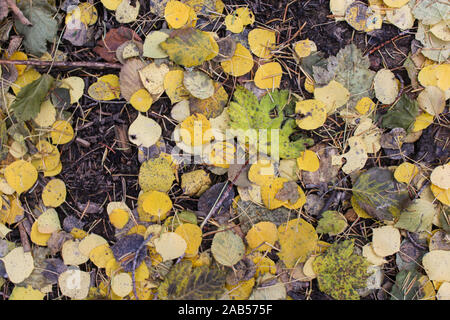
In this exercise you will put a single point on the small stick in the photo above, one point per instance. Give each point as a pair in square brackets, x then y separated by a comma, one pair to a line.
[403, 33]
[62, 64]
[24, 238]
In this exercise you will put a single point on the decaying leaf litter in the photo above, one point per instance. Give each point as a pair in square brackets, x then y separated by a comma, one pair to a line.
[356, 207]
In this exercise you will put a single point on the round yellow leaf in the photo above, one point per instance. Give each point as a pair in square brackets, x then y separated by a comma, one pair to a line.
[365, 105]
[386, 241]
[308, 161]
[261, 42]
[74, 283]
[395, 3]
[26, 293]
[152, 77]
[170, 245]
[47, 115]
[268, 76]
[241, 290]
[304, 48]
[91, 242]
[144, 131]
[234, 24]
[246, 15]
[141, 100]
[151, 47]
[240, 63]
[176, 14]
[18, 150]
[440, 176]
[195, 130]
[26, 78]
[334, 95]
[18, 264]
[313, 114]
[269, 190]
[119, 218]
[101, 255]
[261, 171]
[48, 221]
[192, 234]
[54, 193]
[437, 265]
[18, 55]
[309, 85]
[127, 12]
[262, 236]
[111, 4]
[41, 239]
[156, 204]
[20, 175]
[53, 172]
[75, 86]
[71, 253]
[173, 85]
[423, 121]
[122, 284]
[106, 88]
[432, 100]
[405, 172]
[62, 132]
[386, 86]
[47, 158]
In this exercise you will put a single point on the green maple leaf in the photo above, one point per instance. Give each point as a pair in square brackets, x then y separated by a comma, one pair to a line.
[246, 112]
[28, 102]
[43, 28]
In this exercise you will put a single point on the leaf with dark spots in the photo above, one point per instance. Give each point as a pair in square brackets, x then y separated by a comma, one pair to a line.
[212, 196]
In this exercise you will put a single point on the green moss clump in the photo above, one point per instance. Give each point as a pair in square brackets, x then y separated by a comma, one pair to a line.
[340, 272]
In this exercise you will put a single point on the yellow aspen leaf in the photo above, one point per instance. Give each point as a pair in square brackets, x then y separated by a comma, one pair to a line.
[234, 24]
[142, 272]
[85, 12]
[47, 158]
[139, 229]
[18, 55]
[261, 171]
[152, 77]
[173, 85]
[386, 86]
[62, 132]
[101, 255]
[241, 290]
[309, 85]
[119, 218]
[112, 267]
[221, 154]
[26, 293]
[435, 75]
[199, 84]
[20, 175]
[365, 105]
[269, 190]
[170, 245]
[192, 234]
[47, 114]
[371, 256]
[53, 172]
[127, 11]
[246, 15]
[423, 121]
[268, 76]
[18, 264]
[41, 239]
[395, 3]
[106, 88]
[75, 86]
[91, 242]
[155, 204]
[240, 63]
[386, 241]
[195, 130]
[176, 14]
[304, 48]
[298, 240]
[308, 161]
[405, 172]
[437, 265]
[313, 114]
[78, 233]
[156, 174]
[141, 100]
[440, 176]
[25, 78]
[144, 131]
[441, 30]
[122, 284]
[442, 294]
[48, 221]
[432, 100]
[111, 4]
[151, 47]
[263, 264]
[299, 203]
[334, 95]
[71, 254]
[261, 42]
[359, 211]
[66, 283]
[54, 193]
[262, 236]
